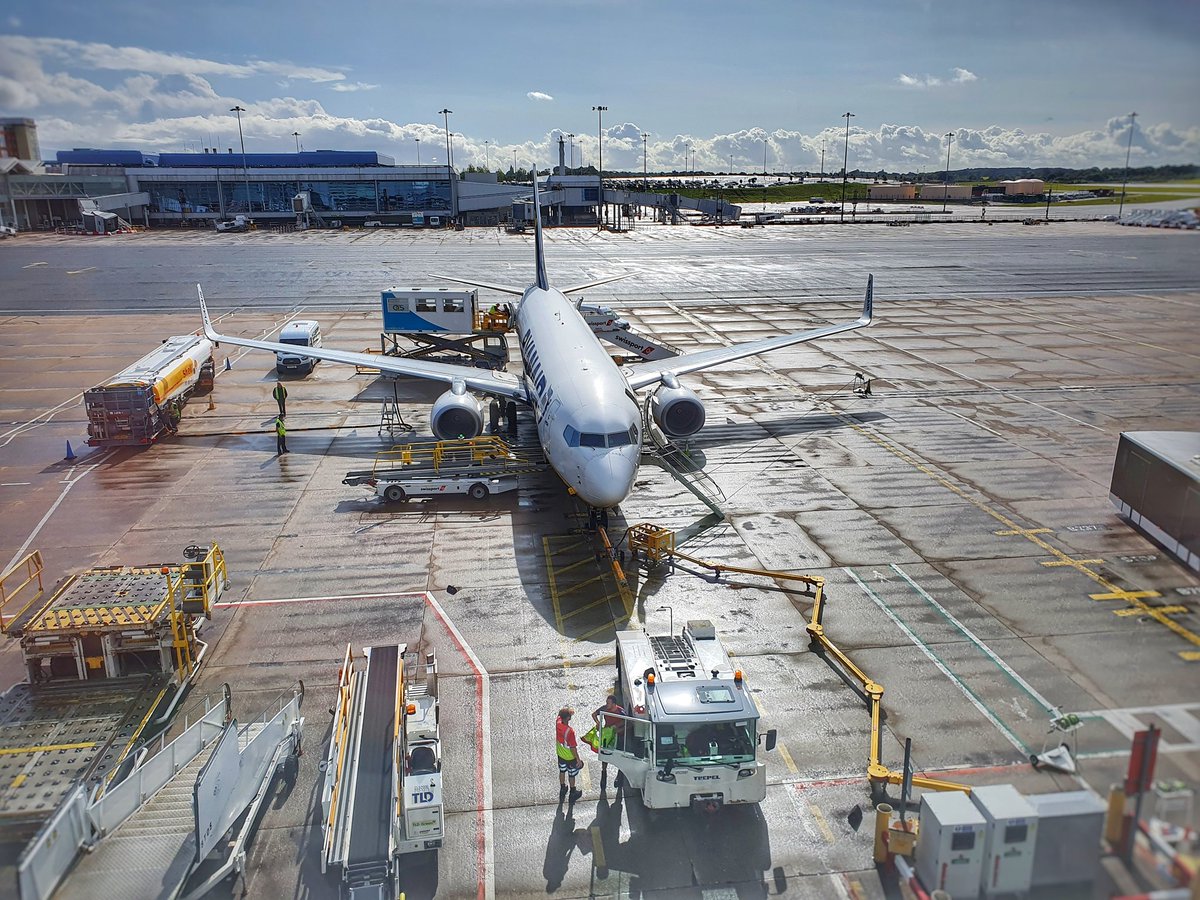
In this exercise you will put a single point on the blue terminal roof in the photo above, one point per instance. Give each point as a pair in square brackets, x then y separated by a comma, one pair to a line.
[304, 160]
[89, 157]
[307, 159]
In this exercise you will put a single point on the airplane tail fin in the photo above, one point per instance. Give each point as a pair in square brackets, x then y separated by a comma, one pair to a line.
[868, 302]
[539, 255]
[209, 331]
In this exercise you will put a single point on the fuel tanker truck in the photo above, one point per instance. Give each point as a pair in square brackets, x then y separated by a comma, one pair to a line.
[145, 401]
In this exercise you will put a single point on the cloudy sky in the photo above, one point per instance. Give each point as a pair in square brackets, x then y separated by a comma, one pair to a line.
[1024, 82]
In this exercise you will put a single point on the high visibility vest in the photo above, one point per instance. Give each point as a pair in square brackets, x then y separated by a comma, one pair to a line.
[565, 751]
[279, 392]
[279, 429]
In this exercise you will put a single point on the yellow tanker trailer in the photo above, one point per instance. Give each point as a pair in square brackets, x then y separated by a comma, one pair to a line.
[141, 403]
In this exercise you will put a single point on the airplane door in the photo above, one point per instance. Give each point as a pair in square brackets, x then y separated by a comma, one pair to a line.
[551, 412]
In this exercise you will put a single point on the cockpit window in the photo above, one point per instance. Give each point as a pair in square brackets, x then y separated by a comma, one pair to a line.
[575, 438]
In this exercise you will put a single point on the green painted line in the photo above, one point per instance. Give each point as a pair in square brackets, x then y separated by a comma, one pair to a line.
[976, 701]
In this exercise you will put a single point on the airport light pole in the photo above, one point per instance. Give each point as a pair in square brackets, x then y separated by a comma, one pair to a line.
[1125, 180]
[418, 140]
[822, 159]
[245, 171]
[445, 114]
[764, 157]
[946, 187]
[600, 111]
[296, 135]
[645, 176]
[571, 138]
[845, 163]
[487, 159]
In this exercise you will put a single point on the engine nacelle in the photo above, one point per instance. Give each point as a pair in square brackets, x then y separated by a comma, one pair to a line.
[676, 409]
[457, 414]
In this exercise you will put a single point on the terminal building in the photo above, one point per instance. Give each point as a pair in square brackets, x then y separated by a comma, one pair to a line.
[101, 189]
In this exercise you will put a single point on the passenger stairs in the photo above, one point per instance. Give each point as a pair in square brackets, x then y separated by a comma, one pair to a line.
[675, 460]
[146, 835]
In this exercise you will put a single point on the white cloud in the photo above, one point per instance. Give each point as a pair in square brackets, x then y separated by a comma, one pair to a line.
[960, 76]
[13, 22]
[347, 86]
[140, 59]
[538, 95]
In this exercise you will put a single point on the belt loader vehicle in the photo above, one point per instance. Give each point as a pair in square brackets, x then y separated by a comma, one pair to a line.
[690, 734]
[141, 403]
[382, 791]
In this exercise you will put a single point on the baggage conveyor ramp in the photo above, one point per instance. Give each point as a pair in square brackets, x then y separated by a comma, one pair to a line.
[382, 791]
[144, 837]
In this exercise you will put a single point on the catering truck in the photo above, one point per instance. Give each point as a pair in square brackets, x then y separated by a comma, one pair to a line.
[143, 402]
[689, 736]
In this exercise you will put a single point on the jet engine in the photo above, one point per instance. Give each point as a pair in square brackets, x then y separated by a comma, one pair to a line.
[457, 414]
[676, 409]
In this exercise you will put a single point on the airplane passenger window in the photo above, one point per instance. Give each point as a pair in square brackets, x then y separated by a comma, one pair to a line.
[591, 440]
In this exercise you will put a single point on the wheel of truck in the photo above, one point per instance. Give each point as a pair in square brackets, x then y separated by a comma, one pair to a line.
[393, 493]
[478, 491]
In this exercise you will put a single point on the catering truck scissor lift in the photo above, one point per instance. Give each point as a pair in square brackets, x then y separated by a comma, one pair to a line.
[382, 793]
[690, 735]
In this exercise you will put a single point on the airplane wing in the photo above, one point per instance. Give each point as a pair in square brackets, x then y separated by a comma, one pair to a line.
[591, 284]
[498, 384]
[651, 373]
[503, 289]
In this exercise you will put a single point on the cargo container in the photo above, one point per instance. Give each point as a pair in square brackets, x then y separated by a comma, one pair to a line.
[143, 402]
[1156, 486]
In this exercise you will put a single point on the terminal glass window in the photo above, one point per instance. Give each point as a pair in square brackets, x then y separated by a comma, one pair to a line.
[341, 196]
[705, 743]
[398, 196]
[183, 197]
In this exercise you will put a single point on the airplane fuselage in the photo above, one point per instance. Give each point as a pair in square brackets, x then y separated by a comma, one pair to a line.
[588, 420]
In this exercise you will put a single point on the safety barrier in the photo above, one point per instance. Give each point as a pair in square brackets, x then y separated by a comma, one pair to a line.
[341, 727]
[53, 850]
[152, 771]
[31, 565]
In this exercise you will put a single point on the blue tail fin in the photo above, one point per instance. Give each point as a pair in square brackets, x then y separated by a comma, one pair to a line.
[539, 254]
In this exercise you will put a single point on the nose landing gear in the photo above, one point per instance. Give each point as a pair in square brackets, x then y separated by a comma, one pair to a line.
[597, 518]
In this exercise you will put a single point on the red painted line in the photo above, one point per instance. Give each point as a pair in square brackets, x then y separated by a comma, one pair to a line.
[481, 861]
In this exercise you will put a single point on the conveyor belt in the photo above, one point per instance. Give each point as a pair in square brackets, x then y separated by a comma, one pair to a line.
[370, 825]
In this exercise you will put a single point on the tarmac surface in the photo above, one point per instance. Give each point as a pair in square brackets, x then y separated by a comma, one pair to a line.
[959, 514]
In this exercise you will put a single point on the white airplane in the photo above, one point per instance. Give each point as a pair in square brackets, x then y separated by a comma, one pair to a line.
[588, 416]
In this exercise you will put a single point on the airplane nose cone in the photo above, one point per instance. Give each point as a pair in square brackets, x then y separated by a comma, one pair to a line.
[608, 479]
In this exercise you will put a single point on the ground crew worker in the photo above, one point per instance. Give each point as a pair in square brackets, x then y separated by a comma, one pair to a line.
[567, 748]
[606, 721]
[279, 392]
[280, 436]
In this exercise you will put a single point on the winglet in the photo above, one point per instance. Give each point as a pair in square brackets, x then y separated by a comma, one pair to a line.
[869, 302]
[209, 331]
[539, 256]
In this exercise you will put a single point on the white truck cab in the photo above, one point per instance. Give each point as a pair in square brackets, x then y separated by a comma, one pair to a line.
[690, 734]
[302, 333]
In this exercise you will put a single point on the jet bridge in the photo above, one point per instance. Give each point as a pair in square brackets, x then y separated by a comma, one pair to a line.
[382, 796]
